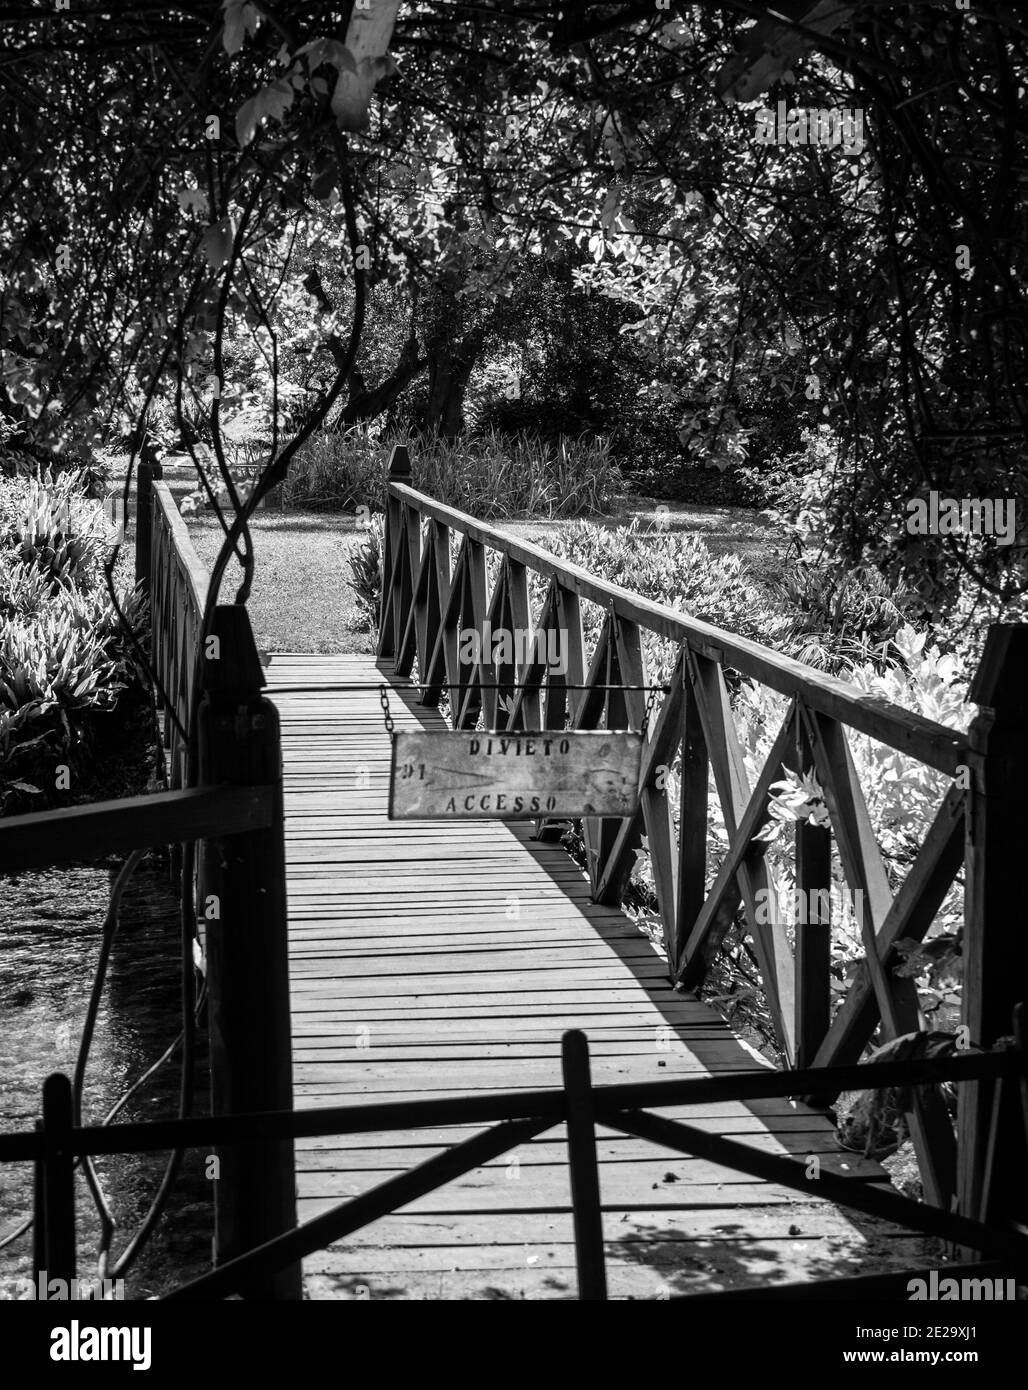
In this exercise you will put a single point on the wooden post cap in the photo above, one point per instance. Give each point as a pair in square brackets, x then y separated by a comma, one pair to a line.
[230, 660]
[148, 455]
[1002, 675]
[399, 463]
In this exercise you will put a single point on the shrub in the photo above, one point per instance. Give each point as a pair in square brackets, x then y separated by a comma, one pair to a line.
[17, 748]
[338, 472]
[63, 653]
[489, 475]
[798, 487]
[49, 524]
[54, 661]
[366, 575]
[837, 619]
[672, 568]
[962, 628]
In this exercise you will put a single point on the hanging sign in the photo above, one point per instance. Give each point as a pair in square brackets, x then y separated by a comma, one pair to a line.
[514, 776]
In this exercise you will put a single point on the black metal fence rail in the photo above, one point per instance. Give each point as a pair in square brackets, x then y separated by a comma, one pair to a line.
[516, 1118]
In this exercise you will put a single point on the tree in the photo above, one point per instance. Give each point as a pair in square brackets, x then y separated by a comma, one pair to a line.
[138, 239]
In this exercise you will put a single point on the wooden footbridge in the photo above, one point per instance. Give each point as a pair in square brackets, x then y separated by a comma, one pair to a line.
[445, 1049]
[447, 958]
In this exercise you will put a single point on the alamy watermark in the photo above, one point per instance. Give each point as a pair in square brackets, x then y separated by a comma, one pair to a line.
[73, 518]
[78, 1343]
[992, 1290]
[974, 516]
[59, 1290]
[802, 907]
[838, 126]
[503, 646]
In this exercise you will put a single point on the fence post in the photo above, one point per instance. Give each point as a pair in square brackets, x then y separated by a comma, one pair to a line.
[813, 1000]
[146, 471]
[390, 631]
[54, 1202]
[995, 940]
[692, 825]
[39, 1211]
[243, 904]
[585, 1178]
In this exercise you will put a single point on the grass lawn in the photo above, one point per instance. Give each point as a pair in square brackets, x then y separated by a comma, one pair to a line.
[300, 600]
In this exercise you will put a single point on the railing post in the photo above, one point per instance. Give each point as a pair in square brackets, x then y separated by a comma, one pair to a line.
[585, 1178]
[390, 629]
[995, 947]
[243, 902]
[54, 1203]
[692, 823]
[146, 471]
[39, 1211]
[813, 1000]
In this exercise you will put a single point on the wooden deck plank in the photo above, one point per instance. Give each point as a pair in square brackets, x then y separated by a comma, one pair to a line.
[436, 960]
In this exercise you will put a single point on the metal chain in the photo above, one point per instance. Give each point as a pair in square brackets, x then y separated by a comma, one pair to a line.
[383, 698]
[649, 709]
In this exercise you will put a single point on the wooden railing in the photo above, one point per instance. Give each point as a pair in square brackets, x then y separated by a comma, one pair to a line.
[516, 1118]
[227, 802]
[176, 579]
[208, 669]
[981, 826]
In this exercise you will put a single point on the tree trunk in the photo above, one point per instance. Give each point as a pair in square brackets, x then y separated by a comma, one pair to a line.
[365, 404]
[449, 370]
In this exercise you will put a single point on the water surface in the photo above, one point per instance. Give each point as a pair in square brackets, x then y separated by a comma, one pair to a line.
[50, 931]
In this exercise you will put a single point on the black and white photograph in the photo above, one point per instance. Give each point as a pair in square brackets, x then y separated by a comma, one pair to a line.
[513, 678]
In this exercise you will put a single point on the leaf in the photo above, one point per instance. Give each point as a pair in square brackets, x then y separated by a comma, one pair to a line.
[330, 51]
[351, 99]
[193, 200]
[246, 120]
[382, 67]
[610, 207]
[240, 19]
[216, 243]
[770, 832]
[325, 178]
[269, 104]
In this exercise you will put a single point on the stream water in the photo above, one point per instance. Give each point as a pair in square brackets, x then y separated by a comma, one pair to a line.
[50, 931]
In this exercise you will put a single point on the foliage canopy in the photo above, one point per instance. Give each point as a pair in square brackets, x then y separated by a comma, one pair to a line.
[185, 179]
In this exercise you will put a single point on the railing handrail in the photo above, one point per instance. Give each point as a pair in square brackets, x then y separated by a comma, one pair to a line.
[930, 742]
[765, 1083]
[584, 1106]
[623, 1108]
[177, 582]
[220, 728]
[193, 568]
[101, 828]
